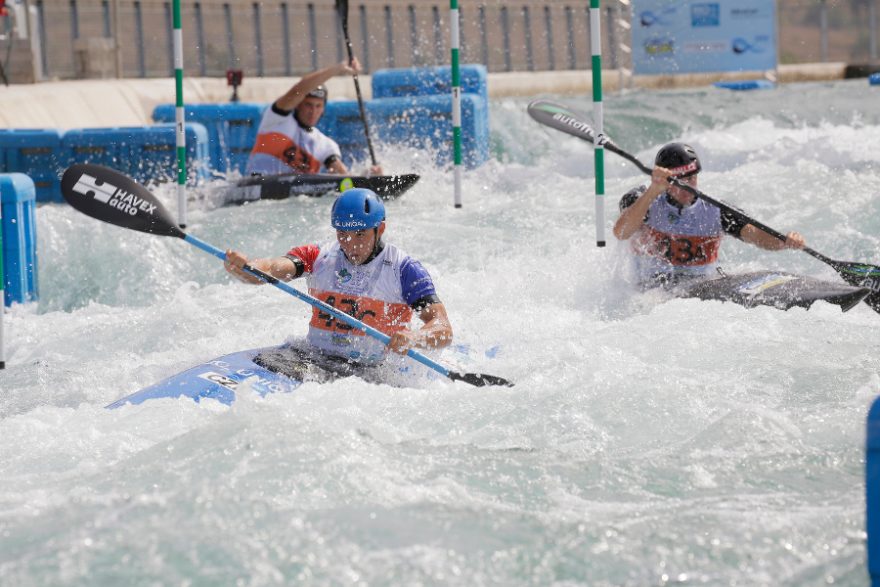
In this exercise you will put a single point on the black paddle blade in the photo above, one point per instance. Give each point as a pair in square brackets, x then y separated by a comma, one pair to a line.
[561, 118]
[861, 275]
[479, 379]
[106, 194]
[342, 11]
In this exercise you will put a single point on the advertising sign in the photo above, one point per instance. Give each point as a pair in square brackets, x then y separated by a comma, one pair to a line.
[692, 36]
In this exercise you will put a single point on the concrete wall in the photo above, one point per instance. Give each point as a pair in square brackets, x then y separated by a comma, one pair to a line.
[290, 37]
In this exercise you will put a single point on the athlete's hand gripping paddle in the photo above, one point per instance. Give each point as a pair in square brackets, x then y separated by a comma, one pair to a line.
[563, 119]
[112, 197]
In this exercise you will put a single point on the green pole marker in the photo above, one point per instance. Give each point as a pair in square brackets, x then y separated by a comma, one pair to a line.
[179, 117]
[456, 101]
[599, 151]
[2, 292]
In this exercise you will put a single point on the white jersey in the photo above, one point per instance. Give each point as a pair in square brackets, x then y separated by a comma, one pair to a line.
[379, 293]
[283, 146]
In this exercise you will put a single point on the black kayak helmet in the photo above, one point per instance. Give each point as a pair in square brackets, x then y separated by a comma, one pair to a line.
[678, 158]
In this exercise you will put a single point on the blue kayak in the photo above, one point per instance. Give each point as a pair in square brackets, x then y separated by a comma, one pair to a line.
[218, 379]
[275, 369]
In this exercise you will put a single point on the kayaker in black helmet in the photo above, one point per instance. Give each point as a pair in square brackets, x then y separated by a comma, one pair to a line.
[677, 235]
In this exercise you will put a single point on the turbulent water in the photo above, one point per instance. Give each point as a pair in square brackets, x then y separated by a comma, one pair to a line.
[646, 442]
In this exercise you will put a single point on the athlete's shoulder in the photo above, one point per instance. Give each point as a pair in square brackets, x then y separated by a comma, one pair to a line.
[630, 197]
[274, 116]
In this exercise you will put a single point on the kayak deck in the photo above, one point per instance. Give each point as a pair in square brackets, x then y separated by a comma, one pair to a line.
[278, 187]
[772, 288]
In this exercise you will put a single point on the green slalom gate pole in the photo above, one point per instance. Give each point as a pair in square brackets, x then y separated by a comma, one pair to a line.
[456, 101]
[179, 118]
[599, 151]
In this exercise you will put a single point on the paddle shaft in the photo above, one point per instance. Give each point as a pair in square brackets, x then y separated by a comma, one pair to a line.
[342, 7]
[314, 302]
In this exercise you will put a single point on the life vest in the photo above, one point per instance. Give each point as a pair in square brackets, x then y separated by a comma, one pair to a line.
[283, 146]
[373, 293]
[678, 241]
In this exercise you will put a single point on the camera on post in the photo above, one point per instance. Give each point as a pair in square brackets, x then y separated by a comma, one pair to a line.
[234, 78]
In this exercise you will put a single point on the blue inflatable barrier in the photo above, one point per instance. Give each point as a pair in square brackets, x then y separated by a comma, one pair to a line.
[421, 122]
[146, 153]
[153, 155]
[872, 491]
[410, 106]
[342, 122]
[429, 81]
[38, 154]
[749, 84]
[874, 79]
[232, 130]
[18, 198]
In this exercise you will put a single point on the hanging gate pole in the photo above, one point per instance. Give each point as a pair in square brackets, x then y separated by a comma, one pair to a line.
[456, 101]
[179, 117]
[599, 151]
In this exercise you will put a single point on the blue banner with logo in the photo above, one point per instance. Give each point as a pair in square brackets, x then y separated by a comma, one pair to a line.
[691, 36]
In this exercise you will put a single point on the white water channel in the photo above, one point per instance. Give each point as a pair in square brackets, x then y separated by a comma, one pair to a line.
[646, 442]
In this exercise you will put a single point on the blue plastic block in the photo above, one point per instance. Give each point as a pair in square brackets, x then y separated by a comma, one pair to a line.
[99, 146]
[422, 122]
[874, 79]
[429, 81]
[37, 153]
[145, 153]
[342, 123]
[232, 130]
[872, 490]
[153, 153]
[18, 199]
[748, 84]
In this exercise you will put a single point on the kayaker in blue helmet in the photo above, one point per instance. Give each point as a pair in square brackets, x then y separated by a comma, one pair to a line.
[360, 274]
[288, 139]
[676, 236]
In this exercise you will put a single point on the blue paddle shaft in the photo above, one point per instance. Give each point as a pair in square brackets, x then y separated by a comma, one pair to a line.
[339, 315]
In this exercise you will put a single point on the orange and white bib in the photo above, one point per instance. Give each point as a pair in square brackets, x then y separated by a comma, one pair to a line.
[283, 146]
[372, 293]
[678, 241]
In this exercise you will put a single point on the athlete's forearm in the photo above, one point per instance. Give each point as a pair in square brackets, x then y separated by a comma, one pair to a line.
[632, 218]
[306, 84]
[755, 236]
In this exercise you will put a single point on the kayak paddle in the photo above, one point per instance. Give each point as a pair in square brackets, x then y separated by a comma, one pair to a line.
[563, 119]
[342, 9]
[112, 197]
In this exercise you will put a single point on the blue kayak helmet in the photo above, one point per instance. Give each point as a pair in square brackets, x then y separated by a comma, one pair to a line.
[357, 209]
